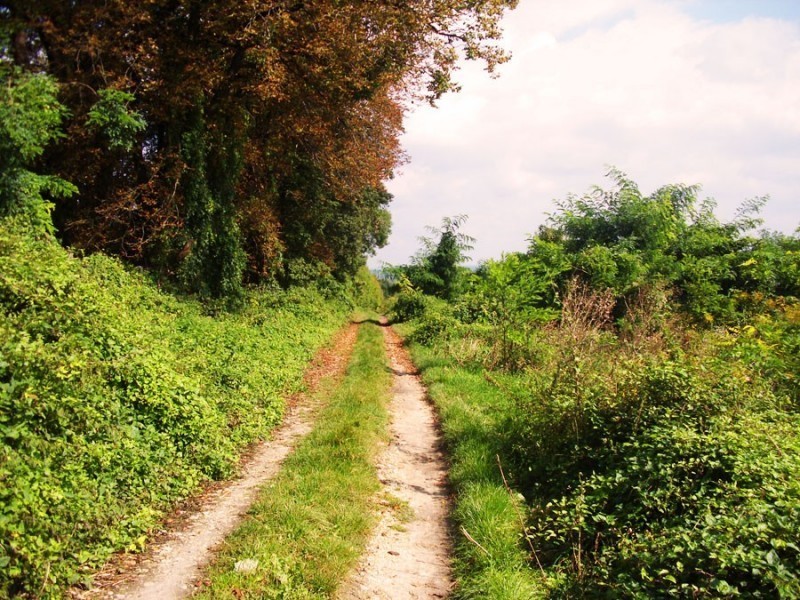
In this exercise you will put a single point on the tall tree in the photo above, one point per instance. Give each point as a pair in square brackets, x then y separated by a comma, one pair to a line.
[257, 125]
[436, 268]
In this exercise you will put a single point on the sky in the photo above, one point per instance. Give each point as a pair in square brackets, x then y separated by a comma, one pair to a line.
[668, 91]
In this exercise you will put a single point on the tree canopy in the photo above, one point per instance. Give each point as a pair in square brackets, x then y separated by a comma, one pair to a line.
[437, 268]
[218, 140]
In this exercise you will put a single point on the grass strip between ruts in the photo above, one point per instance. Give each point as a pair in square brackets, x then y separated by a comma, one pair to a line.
[311, 523]
[492, 562]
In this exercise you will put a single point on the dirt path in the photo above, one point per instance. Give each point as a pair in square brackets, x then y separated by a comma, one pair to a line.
[408, 556]
[173, 565]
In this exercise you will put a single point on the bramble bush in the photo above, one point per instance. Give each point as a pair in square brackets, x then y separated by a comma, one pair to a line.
[673, 479]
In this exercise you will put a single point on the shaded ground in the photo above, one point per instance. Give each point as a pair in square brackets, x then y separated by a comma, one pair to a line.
[408, 556]
[172, 566]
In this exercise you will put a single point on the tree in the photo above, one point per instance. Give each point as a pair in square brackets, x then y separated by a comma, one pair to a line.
[622, 239]
[435, 269]
[300, 104]
[618, 239]
[450, 252]
[30, 119]
[510, 295]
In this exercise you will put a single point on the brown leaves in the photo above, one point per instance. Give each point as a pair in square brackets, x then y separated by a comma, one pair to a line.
[312, 93]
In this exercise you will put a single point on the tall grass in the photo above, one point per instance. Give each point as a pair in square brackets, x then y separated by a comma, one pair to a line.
[492, 559]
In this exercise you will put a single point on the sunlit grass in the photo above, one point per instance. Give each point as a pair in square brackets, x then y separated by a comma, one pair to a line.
[311, 523]
[491, 560]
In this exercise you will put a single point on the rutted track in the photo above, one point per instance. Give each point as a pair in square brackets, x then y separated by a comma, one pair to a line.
[173, 564]
[408, 556]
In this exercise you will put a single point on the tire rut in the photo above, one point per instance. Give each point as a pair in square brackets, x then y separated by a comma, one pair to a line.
[173, 564]
[408, 556]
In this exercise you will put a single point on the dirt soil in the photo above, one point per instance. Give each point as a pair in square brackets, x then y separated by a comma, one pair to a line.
[172, 565]
[408, 555]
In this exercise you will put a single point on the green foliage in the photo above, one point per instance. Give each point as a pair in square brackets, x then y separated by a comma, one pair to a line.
[491, 563]
[436, 322]
[771, 265]
[30, 116]
[111, 117]
[509, 295]
[608, 217]
[116, 400]
[355, 230]
[658, 454]
[450, 251]
[367, 293]
[30, 119]
[624, 241]
[619, 238]
[770, 346]
[677, 481]
[435, 269]
[408, 303]
[215, 262]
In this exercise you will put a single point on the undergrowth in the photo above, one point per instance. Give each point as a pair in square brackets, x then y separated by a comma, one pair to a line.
[117, 400]
[311, 523]
[652, 458]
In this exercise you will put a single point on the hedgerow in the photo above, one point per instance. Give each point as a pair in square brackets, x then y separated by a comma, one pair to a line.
[636, 374]
[118, 399]
[656, 460]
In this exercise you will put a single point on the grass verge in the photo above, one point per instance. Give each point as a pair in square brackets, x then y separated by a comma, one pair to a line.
[490, 560]
[312, 522]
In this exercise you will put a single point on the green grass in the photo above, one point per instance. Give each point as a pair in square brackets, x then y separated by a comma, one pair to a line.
[311, 523]
[494, 564]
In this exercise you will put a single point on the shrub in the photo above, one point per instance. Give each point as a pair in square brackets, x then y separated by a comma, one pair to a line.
[409, 303]
[673, 479]
[367, 292]
[436, 323]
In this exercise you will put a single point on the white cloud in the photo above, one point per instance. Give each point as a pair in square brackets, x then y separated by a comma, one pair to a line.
[634, 83]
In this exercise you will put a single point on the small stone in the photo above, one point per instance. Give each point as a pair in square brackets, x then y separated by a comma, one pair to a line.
[247, 565]
[394, 553]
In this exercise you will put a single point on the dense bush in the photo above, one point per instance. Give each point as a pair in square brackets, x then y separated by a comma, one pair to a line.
[30, 119]
[622, 240]
[117, 399]
[671, 479]
[408, 302]
[435, 323]
[657, 461]
[367, 291]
